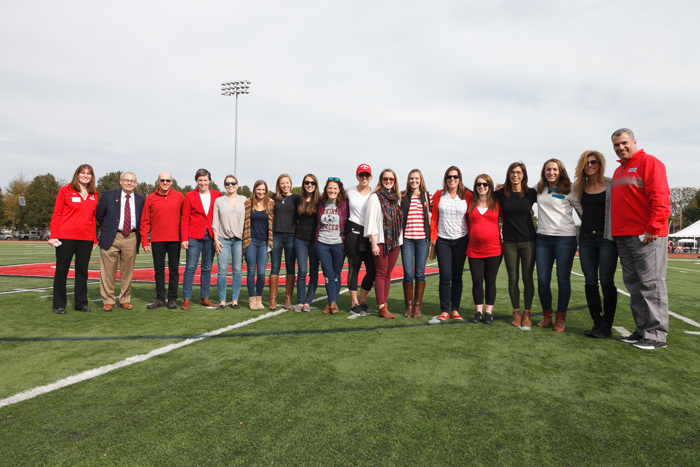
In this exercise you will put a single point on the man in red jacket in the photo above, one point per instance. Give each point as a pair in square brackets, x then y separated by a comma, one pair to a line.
[640, 206]
[161, 217]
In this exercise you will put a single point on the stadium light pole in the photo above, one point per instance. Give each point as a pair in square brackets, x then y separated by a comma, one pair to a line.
[235, 88]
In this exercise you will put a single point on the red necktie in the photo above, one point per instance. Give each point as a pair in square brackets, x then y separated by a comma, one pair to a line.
[126, 228]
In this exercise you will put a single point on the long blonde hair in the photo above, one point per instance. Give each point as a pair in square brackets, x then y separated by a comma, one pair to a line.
[581, 178]
[396, 185]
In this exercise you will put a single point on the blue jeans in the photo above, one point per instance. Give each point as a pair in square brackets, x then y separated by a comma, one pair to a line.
[414, 254]
[598, 256]
[549, 249]
[205, 246]
[331, 257]
[256, 259]
[451, 256]
[232, 247]
[282, 242]
[304, 251]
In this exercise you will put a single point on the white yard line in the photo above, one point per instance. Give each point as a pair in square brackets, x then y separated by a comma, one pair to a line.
[89, 374]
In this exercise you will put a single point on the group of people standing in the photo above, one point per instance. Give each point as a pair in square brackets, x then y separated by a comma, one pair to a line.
[372, 226]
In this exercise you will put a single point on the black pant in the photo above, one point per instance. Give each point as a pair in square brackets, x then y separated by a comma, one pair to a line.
[64, 254]
[484, 269]
[358, 249]
[159, 250]
[451, 256]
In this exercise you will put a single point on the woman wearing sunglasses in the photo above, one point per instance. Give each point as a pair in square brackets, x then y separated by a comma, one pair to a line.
[384, 227]
[415, 205]
[284, 225]
[556, 240]
[484, 250]
[332, 213]
[229, 217]
[257, 241]
[304, 243]
[597, 249]
[448, 231]
[516, 200]
[357, 247]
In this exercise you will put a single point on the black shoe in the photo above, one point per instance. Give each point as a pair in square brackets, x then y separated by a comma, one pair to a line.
[171, 305]
[235, 306]
[649, 344]
[59, 311]
[85, 308]
[594, 331]
[633, 339]
[220, 307]
[156, 304]
[488, 318]
[365, 309]
[476, 318]
[357, 309]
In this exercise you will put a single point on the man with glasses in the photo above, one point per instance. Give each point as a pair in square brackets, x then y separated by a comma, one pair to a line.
[161, 219]
[119, 213]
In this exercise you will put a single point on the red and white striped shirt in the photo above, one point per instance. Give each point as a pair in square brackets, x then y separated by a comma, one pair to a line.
[415, 227]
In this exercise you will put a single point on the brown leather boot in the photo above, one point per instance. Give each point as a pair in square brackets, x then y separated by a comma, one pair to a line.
[289, 291]
[418, 299]
[185, 304]
[527, 319]
[408, 298]
[560, 323]
[334, 309]
[517, 317]
[546, 319]
[206, 302]
[384, 312]
[274, 283]
[327, 309]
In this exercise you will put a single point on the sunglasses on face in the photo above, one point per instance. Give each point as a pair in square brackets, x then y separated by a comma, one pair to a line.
[364, 175]
[388, 179]
[165, 180]
[516, 172]
[452, 177]
[230, 183]
[478, 184]
[309, 182]
[333, 179]
[592, 162]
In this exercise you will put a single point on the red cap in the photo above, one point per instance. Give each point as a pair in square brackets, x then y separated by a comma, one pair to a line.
[363, 168]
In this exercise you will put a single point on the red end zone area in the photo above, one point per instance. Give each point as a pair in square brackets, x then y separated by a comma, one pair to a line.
[46, 270]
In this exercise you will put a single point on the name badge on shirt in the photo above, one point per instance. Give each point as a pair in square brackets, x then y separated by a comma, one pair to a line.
[76, 199]
[633, 169]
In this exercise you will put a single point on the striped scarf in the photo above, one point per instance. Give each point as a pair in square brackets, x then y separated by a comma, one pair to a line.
[393, 218]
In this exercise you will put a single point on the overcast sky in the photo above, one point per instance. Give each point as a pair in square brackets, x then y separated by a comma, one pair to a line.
[135, 85]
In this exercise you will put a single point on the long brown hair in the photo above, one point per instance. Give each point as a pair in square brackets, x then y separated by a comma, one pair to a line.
[581, 178]
[75, 183]
[309, 207]
[266, 199]
[341, 190]
[461, 189]
[491, 202]
[508, 186]
[564, 183]
[421, 186]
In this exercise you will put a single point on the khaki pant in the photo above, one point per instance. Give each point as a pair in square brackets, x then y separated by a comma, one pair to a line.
[123, 250]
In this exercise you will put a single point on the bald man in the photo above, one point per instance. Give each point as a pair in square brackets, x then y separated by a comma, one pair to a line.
[161, 218]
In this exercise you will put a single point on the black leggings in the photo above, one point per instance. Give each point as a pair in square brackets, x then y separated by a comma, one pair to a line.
[358, 249]
[516, 255]
[484, 269]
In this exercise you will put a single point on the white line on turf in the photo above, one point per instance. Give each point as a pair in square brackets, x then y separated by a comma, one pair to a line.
[697, 333]
[86, 375]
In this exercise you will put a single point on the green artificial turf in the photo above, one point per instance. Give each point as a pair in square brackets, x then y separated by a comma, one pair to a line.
[314, 389]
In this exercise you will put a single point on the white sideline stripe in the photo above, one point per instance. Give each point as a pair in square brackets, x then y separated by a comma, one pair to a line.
[623, 332]
[43, 289]
[89, 374]
[697, 333]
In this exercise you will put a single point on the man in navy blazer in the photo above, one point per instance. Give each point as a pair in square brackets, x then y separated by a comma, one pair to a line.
[119, 239]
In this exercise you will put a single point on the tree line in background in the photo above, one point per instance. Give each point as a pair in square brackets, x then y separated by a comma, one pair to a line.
[40, 196]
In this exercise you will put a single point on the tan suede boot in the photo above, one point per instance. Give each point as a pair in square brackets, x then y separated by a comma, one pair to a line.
[546, 319]
[418, 299]
[408, 298]
[274, 282]
[252, 303]
[560, 323]
[289, 291]
[517, 317]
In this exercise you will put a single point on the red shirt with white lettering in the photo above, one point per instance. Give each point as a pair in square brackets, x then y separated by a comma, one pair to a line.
[74, 217]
